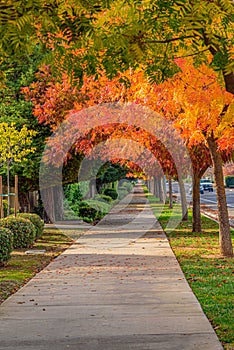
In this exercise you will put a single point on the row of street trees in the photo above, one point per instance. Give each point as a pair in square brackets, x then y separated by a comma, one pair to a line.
[171, 56]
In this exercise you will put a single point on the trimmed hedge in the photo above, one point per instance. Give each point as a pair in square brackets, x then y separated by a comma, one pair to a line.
[24, 232]
[111, 193]
[6, 245]
[36, 220]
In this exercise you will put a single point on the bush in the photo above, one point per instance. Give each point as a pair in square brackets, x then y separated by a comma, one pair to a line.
[5, 206]
[127, 185]
[73, 193]
[103, 198]
[122, 188]
[36, 220]
[88, 220]
[122, 193]
[111, 193]
[229, 181]
[6, 245]
[24, 232]
[85, 211]
[99, 206]
[93, 210]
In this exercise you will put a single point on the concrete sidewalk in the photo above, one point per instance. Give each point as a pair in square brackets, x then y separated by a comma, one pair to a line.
[118, 287]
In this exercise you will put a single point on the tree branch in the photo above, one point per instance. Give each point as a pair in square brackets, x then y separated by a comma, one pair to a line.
[192, 54]
[165, 41]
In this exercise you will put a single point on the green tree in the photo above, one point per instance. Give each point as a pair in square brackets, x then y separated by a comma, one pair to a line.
[14, 147]
[15, 108]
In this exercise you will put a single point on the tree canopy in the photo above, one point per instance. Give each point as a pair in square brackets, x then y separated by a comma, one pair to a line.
[81, 36]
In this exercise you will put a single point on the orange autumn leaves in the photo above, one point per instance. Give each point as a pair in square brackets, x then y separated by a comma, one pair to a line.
[193, 100]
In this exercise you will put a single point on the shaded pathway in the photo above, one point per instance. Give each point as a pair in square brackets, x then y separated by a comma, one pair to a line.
[118, 287]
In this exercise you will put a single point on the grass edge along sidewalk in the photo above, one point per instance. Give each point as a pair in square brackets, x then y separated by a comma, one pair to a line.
[210, 276]
[22, 267]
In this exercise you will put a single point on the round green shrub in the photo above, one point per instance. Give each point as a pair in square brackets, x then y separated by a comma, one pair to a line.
[24, 232]
[85, 211]
[111, 193]
[127, 185]
[36, 220]
[6, 245]
[122, 193]
[99, 206]
[93, 209]
[103, 198]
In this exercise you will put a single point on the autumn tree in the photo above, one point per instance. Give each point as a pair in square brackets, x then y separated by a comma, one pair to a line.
[113, 36]
[52, 101]
[205, 113]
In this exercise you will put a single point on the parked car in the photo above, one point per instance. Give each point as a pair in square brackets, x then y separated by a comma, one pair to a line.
[201, 189]
[207, 185]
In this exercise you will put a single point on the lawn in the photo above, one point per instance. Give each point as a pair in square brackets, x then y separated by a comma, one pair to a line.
[22, 267]
[210, 276]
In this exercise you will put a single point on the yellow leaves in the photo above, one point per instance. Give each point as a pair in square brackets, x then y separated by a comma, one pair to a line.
[15, 144]
[202, 99]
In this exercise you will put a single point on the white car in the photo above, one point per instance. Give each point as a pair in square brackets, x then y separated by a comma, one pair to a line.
[207, 185]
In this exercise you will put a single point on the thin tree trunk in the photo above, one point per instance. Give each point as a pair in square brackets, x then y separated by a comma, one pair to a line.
[196, 204]
[164, 189]
[156, 189]
[224, 226]
[8, 188]
[170, 192]
[24, 202]
[160, 189]
[183, 199]
[151, 185]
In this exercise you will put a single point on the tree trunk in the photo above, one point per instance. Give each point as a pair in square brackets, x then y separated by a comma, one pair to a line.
[31, 196]
[148, 184]
[183, 199]
[24, 202]
[170, 192]
[151, 185]
[58, 203]
[156, 189]
[196, 203]
[47, 195]
[160, 194]
[8, 188]
[229, 82]
[224, 226]
[164, 189]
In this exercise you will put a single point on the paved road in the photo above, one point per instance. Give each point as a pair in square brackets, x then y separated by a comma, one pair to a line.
[119, 287]
[210, 200]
